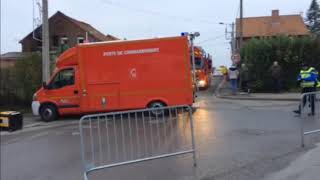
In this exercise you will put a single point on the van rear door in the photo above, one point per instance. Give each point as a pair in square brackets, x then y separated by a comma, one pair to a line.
[100, 82]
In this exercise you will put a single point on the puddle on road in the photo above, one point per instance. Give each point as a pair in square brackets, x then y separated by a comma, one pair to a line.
[261, 132]
[252, 132]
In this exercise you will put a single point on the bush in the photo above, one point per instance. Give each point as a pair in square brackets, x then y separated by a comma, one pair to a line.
[20, 82]
[290, 52]
[7, 87]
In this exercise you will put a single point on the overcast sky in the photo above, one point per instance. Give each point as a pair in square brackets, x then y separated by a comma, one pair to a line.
[135, 19]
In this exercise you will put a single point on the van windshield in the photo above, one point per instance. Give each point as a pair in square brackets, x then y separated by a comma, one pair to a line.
[63, 78]
[198, 63]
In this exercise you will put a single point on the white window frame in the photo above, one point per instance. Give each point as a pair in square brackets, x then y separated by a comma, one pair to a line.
[63, 39]
[80, 38]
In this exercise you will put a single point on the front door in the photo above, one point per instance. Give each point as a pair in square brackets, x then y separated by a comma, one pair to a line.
[65, 92]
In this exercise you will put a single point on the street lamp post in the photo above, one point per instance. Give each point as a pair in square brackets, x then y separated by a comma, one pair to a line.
[192, 37]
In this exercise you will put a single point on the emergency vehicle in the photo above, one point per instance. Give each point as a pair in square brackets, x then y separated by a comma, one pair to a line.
[117, 75]
[203, 66]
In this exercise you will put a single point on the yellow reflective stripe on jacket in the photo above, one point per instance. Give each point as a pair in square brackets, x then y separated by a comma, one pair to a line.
[307, 84]
[305, 75]
[310, 70]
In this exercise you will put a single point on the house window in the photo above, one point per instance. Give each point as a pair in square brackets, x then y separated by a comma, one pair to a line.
[80, 40]
[38, 46]
[55, 41]
[64, 40]
[64, 45]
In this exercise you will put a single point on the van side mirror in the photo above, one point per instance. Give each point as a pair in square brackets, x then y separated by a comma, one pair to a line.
[44, 85]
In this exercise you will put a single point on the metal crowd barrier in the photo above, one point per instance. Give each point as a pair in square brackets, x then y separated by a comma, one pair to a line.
[121, 138]
[310, 114]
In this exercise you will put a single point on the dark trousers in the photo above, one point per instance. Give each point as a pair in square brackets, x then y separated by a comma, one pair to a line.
[244, 86]
[310, 98]
[276, 84]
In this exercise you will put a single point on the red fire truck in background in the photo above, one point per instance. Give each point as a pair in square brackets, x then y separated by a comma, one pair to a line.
[203, 66]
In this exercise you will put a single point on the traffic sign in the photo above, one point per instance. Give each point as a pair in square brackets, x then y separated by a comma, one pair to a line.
[236, 58]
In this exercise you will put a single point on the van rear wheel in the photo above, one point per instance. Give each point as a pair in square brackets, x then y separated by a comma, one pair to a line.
[48, 113]
[155, 105]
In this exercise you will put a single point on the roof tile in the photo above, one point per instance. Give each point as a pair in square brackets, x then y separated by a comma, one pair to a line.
[264, 27]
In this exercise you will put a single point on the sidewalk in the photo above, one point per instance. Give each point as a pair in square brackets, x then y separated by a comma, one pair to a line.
[305, 167]
[264, 96]
[29, 120]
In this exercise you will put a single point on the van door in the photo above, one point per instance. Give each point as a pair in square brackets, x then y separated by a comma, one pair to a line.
[64, 90]
[101, 96]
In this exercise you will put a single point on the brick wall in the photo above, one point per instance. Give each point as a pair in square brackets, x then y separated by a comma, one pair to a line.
[58, 27]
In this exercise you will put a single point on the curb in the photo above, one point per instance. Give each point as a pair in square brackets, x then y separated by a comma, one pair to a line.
[258, 98]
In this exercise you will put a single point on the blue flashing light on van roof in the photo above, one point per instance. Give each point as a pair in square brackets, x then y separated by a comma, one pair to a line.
[184, 34]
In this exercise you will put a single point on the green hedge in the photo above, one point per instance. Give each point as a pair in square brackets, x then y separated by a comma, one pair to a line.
[18, 83]
[290, 52]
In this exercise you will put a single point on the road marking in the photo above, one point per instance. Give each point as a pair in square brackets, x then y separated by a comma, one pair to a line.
[75, 133]
[33, 125]
[36, 136]
[44, 126]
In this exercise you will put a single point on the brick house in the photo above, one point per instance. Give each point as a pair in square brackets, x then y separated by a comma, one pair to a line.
[270, 26]
[63, 28]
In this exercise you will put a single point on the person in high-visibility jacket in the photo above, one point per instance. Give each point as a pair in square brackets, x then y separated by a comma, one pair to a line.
[308, 81]
[224, 72]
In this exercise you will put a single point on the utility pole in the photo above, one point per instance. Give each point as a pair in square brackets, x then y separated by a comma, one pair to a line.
[233, 41]
[45, 42]
[241, 26]
[230, 37]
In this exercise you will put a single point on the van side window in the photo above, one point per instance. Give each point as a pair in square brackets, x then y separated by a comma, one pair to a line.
[62, 79]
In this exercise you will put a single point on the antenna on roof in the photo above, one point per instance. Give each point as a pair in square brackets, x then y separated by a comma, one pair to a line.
[36, 20]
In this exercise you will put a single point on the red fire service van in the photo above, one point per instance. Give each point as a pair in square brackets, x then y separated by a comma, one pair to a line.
[117, 75]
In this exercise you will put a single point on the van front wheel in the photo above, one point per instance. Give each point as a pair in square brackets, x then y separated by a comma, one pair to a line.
[48, 113]
[155, 105]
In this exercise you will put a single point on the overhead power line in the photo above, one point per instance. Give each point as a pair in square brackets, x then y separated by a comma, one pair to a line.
[211, 39]
[214, 44]
[156, 13]
[238, 11]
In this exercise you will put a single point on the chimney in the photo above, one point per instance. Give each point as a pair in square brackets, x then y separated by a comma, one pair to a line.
[275, 22]
[275, 16]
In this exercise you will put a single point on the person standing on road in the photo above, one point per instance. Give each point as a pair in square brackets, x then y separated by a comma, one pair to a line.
[276, 72]
[224, 72]
[233, 77]
[244, 78]
[308, 81]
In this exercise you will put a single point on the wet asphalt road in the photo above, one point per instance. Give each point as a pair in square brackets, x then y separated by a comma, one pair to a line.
[235, 140]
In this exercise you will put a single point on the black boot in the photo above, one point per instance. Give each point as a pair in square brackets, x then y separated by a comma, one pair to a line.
[297, 111]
